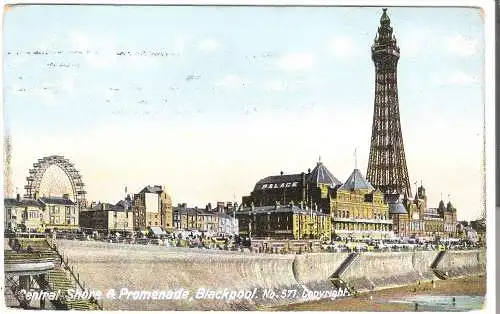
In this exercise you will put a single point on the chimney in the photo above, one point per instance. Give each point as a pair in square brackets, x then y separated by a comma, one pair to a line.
[18, 197]
[66, 195]
[281, 172]
[35, 196]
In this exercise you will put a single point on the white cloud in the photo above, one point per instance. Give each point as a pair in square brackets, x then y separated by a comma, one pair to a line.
[208, 45]
[461, 46]
[342, 47]
[275, 85]
[455, 78]
[232, 81]
[296, 62]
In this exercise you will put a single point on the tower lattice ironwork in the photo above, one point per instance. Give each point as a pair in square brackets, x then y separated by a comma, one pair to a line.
[387, 163]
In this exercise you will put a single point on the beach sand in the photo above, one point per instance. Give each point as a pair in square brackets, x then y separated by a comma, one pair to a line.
[378, 300]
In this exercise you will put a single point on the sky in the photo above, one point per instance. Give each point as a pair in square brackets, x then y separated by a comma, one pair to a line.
[208, 100]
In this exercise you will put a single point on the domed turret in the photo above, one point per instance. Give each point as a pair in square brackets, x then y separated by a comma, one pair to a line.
[321, 175]
[441, 207]
[450, 208]
[356, 181]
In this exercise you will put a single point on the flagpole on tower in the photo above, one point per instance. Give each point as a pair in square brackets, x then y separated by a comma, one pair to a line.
[355, 158]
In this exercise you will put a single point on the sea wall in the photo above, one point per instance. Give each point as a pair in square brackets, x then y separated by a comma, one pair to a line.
[463, 263]
[105, 266]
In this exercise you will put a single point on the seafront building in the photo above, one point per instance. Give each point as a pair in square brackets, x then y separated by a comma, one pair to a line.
[40, 213]
[63, 213]
[359, 210]
[24, 214]
[354, 209]
[219, 220]
[152, 207]
[296, 222]
[107, 218]
[421, 221]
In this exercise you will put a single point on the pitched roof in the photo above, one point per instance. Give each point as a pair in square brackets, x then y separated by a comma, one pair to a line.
[22, 202]
[124, 204]
[280, 179]
[449, 207]
[397, 208]
[57, 201]
[151, 189]
[356, 181]
[321, 175]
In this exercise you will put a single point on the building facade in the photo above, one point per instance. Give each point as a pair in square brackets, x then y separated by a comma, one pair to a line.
[60, 213]
[23, 214]
[359, 210]
[420, 221]
[215, 221]
[38, 214]
[284, 222]
[104, 217]
[152, 207]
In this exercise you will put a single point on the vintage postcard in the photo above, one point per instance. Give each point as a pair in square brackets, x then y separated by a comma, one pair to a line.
[244, 157]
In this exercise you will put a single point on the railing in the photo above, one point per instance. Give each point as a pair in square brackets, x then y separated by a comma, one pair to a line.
[69, 269]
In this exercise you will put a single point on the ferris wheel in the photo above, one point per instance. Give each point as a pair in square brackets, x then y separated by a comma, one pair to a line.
[55, 176]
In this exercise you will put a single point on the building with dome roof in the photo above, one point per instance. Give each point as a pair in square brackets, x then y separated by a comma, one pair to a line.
[359, 210]
[355, 208]
[311, 189]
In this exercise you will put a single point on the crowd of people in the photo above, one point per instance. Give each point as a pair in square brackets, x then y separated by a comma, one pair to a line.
[202, 240]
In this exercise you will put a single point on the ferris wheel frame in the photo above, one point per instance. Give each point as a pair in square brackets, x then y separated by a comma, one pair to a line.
[40, 167]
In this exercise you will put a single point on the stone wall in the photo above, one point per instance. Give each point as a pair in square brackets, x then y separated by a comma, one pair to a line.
[105, 266]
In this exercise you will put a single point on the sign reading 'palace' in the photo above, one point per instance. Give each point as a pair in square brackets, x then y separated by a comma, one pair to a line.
[280, 185]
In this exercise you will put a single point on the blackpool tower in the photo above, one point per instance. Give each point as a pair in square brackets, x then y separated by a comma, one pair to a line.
[387, 163]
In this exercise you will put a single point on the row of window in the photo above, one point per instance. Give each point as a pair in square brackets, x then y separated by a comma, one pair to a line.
[358, 215]
[57, 221]
[362, 227]
[56, 210]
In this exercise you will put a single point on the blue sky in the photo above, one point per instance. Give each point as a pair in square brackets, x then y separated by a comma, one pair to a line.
[208, 100]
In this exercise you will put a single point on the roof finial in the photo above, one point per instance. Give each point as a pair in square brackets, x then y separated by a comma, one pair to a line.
[384, 19]
[319, 159]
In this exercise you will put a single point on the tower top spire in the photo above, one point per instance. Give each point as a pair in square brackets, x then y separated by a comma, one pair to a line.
[384, 19]
[385, 36]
